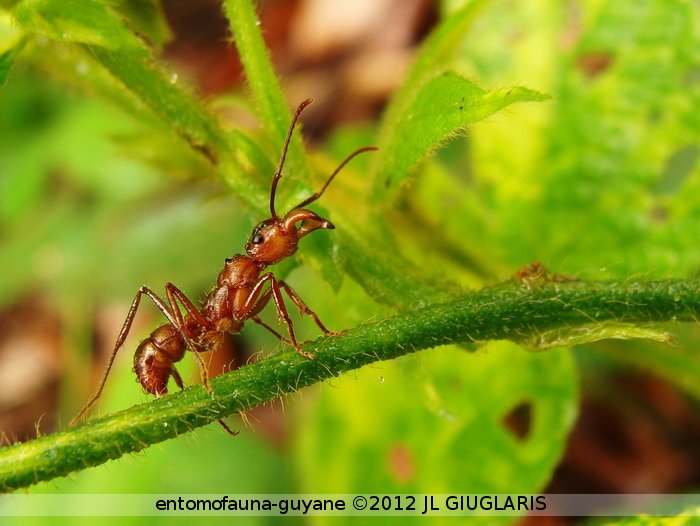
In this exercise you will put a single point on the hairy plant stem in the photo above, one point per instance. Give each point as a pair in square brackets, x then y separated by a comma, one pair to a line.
[509, 311]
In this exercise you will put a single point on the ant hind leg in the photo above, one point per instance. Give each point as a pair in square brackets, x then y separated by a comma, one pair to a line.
[121, 338]
[178, 380]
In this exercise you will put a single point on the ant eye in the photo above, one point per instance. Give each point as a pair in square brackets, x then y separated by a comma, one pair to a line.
[257, 239]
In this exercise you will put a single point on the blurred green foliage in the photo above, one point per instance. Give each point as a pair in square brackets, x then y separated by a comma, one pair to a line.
[113, 175]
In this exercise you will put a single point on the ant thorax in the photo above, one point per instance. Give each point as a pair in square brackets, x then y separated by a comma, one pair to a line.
[234, 284]
[240, 271]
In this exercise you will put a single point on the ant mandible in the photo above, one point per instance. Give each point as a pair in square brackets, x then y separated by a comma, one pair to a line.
[237, 296]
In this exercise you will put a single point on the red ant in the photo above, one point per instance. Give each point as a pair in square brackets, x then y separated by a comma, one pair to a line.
[237, 296]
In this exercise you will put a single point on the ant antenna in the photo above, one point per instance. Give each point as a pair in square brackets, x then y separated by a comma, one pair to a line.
[278, 173]
[318, 194]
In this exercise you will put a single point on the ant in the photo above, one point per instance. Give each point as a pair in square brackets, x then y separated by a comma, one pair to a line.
[237, 296]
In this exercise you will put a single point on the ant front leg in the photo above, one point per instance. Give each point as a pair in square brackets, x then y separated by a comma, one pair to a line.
[260, 305]
[284, 315]
[304, 309]
[255, 303]
[123, 333]
[281, 338]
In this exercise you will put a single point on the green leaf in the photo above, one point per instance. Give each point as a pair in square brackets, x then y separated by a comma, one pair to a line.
[389, 279]
[6, 61]
[566, 337]
[81, 21]
[147, 18]
[435, 55]
[443, 107]
[97, 28]
[372, 426]
[156, 90]
[608, 177]
[677, 364]
[11, 43]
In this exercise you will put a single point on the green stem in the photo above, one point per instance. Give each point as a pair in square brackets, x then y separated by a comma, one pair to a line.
[263, 82]
[267, 92]
[509, 311]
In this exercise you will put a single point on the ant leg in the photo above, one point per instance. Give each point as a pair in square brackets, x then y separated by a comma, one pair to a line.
[273, 331]
[284, 316]
[260, 303]
[228, 429]
[259, 306]
[178, 380]
[303, 309]
[123, 333]
[202, 366]
[173, 292]
[255, 303]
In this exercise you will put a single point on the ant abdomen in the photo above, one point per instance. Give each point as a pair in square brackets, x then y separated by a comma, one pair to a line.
[155, 356]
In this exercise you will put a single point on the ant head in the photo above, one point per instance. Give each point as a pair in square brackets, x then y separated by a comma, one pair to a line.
[278, 237]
